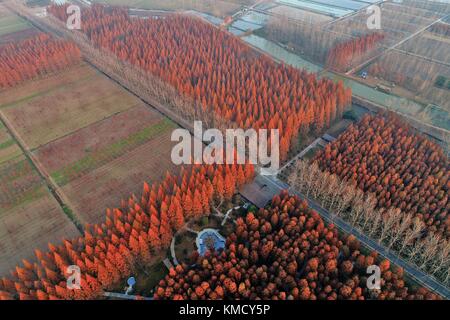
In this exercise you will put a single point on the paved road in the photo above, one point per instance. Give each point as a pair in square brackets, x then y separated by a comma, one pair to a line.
[418, 275]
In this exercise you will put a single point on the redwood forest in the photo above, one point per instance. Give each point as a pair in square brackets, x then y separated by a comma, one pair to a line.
[336, 186]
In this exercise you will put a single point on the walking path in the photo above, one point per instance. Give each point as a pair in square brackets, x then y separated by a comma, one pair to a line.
[228, 213]
[167, 263]
[125, 296]
[302, 153]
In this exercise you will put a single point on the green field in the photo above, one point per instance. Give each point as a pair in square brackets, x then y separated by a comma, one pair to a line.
[49, 108]
[113, 151]
[20, 184]
[9, 150]
[12, 23]
[41, 93]
[7, 144]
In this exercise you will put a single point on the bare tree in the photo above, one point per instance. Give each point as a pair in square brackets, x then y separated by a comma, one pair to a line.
[390, 217]
[411, 235]
[429, 250]
[399, 229]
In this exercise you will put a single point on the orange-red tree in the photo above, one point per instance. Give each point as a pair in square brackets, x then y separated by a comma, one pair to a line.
[130, 236]
[33, 57]
[225, 76]
[384, 156]
[298, 258]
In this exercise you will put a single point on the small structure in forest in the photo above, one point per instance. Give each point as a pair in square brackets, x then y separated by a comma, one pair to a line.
[209, 239]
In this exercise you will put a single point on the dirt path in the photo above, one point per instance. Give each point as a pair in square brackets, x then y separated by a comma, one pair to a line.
[52, 186]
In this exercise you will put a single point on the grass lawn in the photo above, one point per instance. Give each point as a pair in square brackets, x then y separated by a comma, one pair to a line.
[147, 281]
[184, 246]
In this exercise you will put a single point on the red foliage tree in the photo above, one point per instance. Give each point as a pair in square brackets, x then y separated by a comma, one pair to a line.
[384, 156]
[218, 71]
[109, 252]
[298, 260]
[34, 57]
[343, 54]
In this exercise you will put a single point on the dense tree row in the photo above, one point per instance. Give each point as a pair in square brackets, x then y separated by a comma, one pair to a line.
[398, 231]
[382, 155]
[33, 57]
[130, 236]
[286, 252]
[226, 77]
[342, 55]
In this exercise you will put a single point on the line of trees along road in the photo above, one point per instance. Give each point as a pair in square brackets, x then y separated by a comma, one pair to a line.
[224, 77]
[286, 252]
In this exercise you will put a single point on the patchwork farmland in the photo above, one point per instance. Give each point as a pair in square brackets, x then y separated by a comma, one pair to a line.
[108, 160]
[79, 97]
[12, 27]
[414, 51]
[31, 216]
[406, 69]
[97, 143]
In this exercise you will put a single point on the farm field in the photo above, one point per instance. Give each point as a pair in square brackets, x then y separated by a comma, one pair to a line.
[8, 147]
[78, 97]
[87, 141]
[12, 27]
[415, 64]
[218, 8]
[430, 45]
[414, 74]
[30, 215]
[10, 23]
[419, 63]
[77, 125]
[399, 21]
[29, 226]
[103, 163]
[300, 14]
